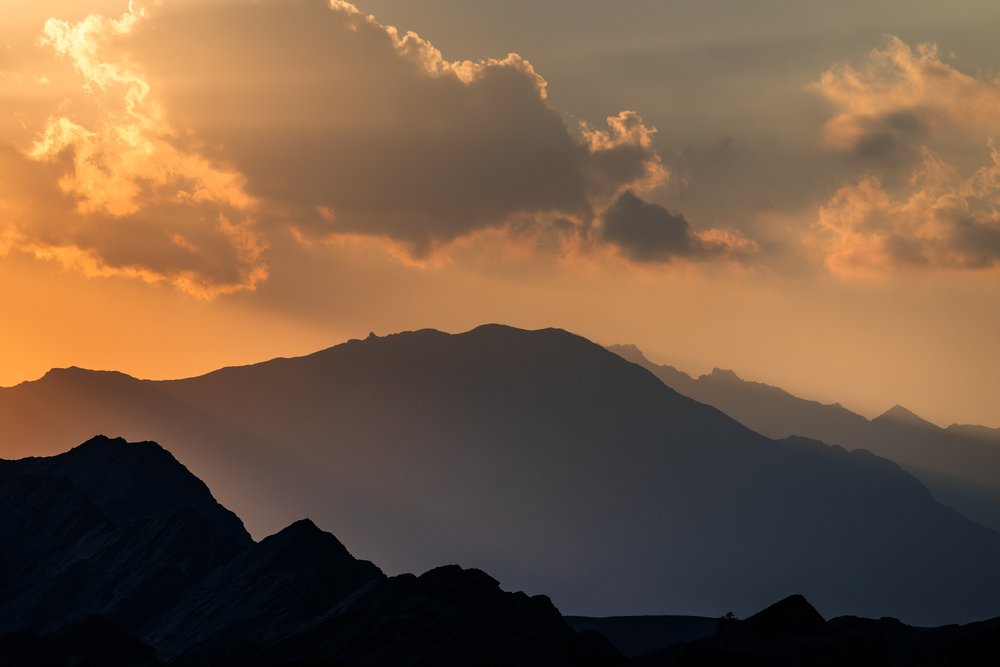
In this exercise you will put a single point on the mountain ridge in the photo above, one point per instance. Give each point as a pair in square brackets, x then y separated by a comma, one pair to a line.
[960, 464]
[154, 588]
[511, 449]
[300, 597]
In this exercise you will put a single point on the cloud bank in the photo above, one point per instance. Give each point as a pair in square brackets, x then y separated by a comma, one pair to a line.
[940, 221]
[348, 127]
[944, 216]
[199, 130]
[902, 95]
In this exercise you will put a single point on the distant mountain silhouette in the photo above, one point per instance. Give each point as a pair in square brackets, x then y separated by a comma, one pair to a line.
[959, 464]
[791, 633]
[548, 461]
[147, 568]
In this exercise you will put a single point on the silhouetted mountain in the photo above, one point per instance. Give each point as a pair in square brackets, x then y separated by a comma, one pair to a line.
[128, 482]
[791, 633]
[959, 464]
[983, 433]
[106, 526]
[165, 582]
[765, 409]
[897, 415]
[551, 463]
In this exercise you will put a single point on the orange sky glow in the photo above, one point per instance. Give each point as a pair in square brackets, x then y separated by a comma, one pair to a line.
[190, 184]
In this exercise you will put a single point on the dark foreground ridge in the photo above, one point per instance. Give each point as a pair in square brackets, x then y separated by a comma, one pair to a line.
[115, 554]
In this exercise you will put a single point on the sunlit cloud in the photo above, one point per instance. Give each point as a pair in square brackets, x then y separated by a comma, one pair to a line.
[143, 206]
[377, 135]
[903, 95]
[181, 137]
[941, 220]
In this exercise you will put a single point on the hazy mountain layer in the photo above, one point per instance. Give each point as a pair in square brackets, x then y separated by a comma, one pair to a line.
[959, 464]
[550, 462]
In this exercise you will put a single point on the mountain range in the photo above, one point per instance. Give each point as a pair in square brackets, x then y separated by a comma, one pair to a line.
[960, 464]
[114, 554]
[550, 462]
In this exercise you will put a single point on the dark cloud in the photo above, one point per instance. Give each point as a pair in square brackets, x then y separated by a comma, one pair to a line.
[893, 134]
[647, 232]
[345, 127]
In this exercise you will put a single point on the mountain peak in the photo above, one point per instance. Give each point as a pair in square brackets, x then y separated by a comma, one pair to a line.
[900, 415]
[304, 526]
[102, 440]
[722, 375]
[130, 481]
[303, 546]
[70, 372]
[792, 615]
[630, 352]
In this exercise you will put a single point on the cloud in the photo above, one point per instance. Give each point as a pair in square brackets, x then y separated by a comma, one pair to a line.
[190, 245]
[903, 96]
[646, 232]
[940, 221]
[348, 127]
[130, 200]
[198, 131]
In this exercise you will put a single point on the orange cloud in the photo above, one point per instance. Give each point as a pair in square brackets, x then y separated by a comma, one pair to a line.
[940, 221]
[903, 94]
[142, 206]
[197, 131]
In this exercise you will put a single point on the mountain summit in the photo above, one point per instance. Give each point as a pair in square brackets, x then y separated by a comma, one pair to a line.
[901, 415]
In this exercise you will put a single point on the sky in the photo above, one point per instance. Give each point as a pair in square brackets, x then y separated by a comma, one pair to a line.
[806, 193]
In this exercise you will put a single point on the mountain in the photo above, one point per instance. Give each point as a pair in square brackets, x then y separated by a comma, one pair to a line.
[959, 464]
[549, 462]
[148, 569]
[73, 524]
[159, 574]
[791, 633]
